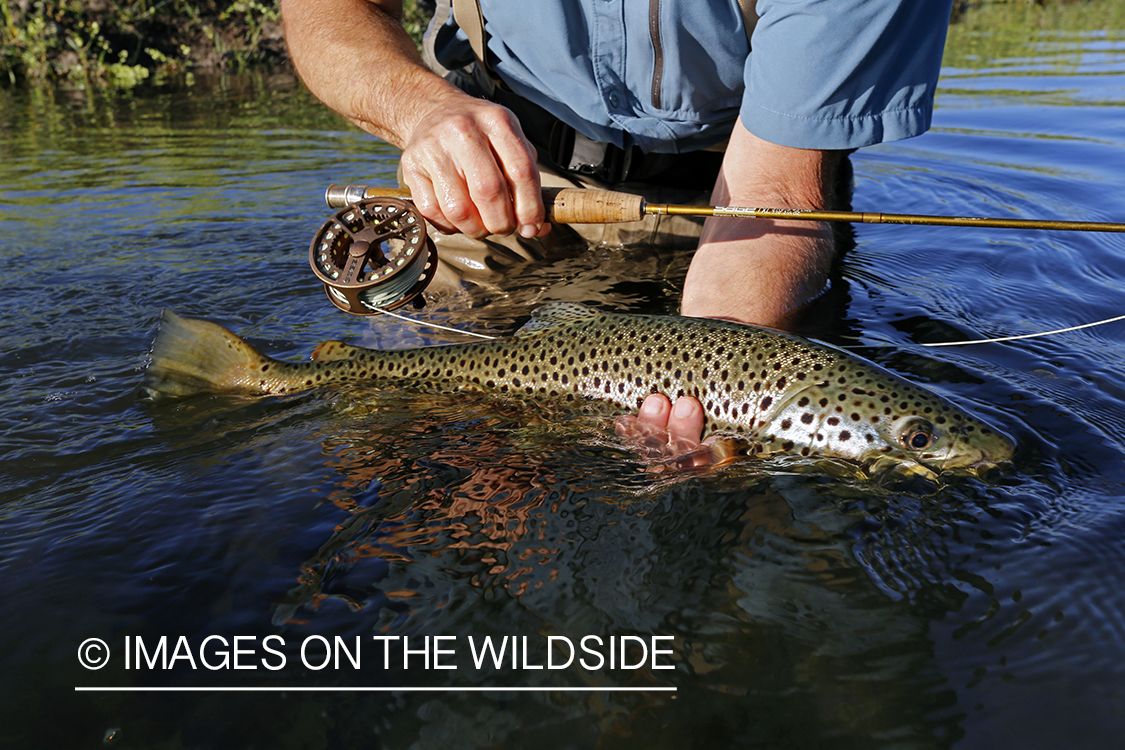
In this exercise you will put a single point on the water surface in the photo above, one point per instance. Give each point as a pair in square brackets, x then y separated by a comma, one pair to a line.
[804, 610]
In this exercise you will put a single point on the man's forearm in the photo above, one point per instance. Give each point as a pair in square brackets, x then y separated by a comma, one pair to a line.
[757, 271]
[356, 58]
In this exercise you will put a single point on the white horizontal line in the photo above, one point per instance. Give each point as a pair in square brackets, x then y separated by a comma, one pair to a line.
[372, 689]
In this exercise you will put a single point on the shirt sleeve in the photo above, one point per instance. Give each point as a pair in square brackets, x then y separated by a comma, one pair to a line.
[841, 74]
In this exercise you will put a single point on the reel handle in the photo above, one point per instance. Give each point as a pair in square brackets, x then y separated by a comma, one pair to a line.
[564, 205]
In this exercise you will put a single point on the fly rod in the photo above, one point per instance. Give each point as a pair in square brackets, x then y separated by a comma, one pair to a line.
[582, 206]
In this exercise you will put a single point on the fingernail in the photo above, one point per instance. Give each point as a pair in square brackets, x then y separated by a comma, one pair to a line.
[683, 409]
[529, 230]
[652, 406]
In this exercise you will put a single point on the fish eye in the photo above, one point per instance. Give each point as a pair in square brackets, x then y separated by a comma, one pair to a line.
[919, 440]
[916, 434]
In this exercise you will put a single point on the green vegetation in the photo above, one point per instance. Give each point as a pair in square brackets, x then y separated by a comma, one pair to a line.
[120, 43]
[998, 30]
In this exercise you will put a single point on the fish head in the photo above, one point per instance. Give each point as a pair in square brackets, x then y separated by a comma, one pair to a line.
[954, 440]
[882, 421]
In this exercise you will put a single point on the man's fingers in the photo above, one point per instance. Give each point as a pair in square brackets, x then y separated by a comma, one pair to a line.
[686, 420]
[481, 171]
[518, 160]
[667, 432]
[425, 200]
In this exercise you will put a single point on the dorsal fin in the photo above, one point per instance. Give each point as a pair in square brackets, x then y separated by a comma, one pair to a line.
[335, 351]
[557, 314]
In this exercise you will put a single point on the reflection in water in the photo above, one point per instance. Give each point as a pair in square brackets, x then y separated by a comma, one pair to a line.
[482, 514]
[775, 588]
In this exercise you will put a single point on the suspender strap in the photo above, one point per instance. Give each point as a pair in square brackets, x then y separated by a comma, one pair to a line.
[468, 15]
[749, 17]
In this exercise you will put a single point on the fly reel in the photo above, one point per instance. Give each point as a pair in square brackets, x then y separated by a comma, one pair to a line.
[374, 255]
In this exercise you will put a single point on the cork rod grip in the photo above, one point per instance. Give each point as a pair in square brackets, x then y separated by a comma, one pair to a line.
[580, 206]
[564, 205]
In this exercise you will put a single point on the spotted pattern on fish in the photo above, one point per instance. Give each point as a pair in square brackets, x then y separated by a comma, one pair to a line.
[780, 393]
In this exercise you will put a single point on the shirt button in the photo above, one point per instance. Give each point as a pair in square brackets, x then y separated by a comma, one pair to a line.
[614, 99]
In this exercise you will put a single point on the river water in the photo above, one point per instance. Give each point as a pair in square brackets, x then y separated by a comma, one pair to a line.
[792, 610]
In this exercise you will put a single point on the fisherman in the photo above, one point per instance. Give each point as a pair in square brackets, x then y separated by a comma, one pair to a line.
[717, 102]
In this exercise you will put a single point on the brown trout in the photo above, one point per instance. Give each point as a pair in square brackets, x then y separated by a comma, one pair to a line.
[775, 392]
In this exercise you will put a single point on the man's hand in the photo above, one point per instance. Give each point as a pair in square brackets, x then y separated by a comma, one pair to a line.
[664, 431]
[465, 160]
[471, 170]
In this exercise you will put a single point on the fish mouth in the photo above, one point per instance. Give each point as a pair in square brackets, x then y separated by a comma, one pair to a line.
[986, 465]
[989, 471]
[982, 459]
[927, 477]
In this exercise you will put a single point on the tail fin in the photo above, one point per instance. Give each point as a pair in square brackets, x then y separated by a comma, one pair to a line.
[195, 356]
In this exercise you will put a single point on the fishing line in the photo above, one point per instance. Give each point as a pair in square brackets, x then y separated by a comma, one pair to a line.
[423, 323]
[1028, 335]
[1040, 334]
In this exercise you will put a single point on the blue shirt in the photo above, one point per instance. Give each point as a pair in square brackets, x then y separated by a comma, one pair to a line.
[674, 75]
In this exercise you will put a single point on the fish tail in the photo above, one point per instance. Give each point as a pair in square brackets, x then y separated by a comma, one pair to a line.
[195, 356]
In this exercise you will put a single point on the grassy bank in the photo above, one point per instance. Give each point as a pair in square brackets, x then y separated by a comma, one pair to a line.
[120, 43]
[123, 42]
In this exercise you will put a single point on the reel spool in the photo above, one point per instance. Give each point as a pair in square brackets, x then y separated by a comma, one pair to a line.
[374, 255]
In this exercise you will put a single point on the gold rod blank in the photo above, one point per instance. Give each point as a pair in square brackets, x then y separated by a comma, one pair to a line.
[865, 217]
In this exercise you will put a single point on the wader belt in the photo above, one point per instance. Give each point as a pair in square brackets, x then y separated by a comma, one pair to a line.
[567, 149]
